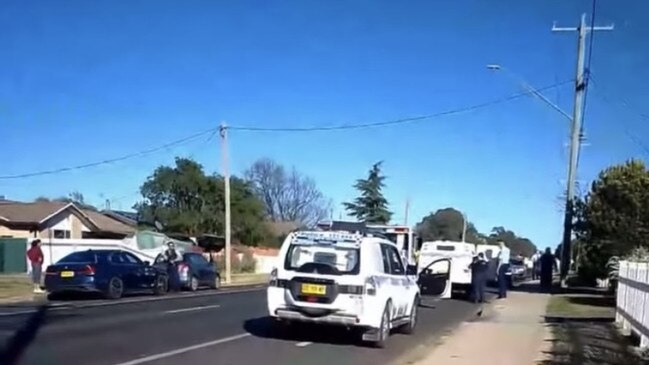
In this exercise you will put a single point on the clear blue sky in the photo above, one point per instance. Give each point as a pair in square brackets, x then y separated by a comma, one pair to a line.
[82, 81]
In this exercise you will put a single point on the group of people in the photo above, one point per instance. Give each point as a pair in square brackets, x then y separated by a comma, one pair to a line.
[480, 274]
[543, 267]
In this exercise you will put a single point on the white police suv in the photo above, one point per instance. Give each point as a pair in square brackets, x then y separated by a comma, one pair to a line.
[344, 279]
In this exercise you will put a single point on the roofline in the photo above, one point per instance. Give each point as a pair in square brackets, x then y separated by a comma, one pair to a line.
[70, 205]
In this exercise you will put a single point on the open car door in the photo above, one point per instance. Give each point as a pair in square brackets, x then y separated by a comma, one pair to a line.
[434, 280]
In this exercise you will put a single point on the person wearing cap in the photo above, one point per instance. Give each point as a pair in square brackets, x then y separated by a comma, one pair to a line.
[35, 256]
[479, 268]
[172, 258]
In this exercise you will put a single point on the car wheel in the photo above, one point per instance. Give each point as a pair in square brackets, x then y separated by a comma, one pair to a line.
[115, 288]
[193, 283]
[217, 283]
[161, 285]
[384, 329]
[409, 328]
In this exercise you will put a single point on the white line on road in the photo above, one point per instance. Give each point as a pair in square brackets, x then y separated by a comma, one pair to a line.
[182, 310]
[67, 305]
[303, 344]
[183, 350]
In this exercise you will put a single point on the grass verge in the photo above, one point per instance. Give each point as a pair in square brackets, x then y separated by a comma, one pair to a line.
[241, 279]
[15, 286]
[581, 306]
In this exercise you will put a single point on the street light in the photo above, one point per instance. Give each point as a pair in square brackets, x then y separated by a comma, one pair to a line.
[529, 88]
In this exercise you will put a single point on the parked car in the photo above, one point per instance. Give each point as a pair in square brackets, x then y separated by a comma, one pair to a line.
[518, 272]
[194, 271]
[110, 272]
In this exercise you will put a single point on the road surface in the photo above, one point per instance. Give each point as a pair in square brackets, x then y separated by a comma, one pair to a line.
[227, 327]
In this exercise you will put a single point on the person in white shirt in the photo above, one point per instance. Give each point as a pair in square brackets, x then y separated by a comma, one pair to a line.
[536, 268]
[503, 267]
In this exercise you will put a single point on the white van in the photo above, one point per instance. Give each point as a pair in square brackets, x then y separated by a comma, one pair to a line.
[460, 255]
[350, 280]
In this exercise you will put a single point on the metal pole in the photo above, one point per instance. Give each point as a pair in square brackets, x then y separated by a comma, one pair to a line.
[463, 227]
[226, 179]
[405, 220]
[575, 140]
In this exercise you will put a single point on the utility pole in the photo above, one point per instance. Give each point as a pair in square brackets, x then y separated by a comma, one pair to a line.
[223, 129]
[405, 220]
[463, 227]
[575, 138]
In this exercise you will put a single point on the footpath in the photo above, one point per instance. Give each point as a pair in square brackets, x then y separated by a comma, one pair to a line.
[509, 331]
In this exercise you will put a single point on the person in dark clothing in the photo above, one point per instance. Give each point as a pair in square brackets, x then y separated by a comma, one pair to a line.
[172, 258]
[548, 266]
[479, 268]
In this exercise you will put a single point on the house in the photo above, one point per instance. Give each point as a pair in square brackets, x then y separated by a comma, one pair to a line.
[51, 219]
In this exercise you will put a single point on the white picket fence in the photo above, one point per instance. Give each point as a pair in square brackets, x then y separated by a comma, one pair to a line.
[632, 311]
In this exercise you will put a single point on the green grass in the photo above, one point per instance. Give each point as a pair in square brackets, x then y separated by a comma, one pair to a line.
[15, 286]
[581, 306]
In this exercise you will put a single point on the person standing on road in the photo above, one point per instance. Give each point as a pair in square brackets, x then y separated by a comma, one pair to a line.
[479, 268]
[503, 262]
[548, 266]
[536, 262]
[172, 258]
[35, 256]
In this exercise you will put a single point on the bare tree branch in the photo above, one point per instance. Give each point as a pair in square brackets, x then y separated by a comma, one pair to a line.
[288, 196]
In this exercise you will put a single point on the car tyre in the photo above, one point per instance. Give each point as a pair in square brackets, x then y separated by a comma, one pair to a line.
[115, 288]
[384, 329]
[161, 285]
[217, 283]
[193, 283]
[409, 328]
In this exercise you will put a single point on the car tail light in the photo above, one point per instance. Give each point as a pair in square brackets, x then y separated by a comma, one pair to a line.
[87, 270]
[51, 270]
[370, 286]
[273, 277]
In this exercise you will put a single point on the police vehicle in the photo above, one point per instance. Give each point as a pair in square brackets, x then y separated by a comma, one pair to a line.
[354, 280]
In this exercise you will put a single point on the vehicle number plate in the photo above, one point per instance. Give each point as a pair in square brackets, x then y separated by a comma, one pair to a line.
[67, 274]
[314, 289]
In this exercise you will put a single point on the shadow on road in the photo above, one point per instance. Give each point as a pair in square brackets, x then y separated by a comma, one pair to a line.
[267, 327]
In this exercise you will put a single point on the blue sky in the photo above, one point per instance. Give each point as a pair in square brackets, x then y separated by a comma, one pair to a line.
[82, 81]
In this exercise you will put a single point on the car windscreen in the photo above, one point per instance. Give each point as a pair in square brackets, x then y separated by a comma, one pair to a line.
[340, 260]
[79, 257]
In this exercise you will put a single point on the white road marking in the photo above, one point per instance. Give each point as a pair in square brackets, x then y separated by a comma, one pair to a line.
[68, 305]
[303, 344]
[183, 350]
[182, 310]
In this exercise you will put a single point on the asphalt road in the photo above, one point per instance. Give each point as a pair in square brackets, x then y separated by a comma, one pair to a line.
[227, 327]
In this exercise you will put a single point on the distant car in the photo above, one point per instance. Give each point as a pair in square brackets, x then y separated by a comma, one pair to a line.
[194, 271]
[110, 272]
[518, 271]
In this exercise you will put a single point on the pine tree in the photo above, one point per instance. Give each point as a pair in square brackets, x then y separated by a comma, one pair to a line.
[371, 206]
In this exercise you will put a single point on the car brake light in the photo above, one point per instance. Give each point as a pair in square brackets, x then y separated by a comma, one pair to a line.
[273, 277]
[370, 286]
[88, 270]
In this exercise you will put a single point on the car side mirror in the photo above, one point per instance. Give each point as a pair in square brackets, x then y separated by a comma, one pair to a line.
[411, 270]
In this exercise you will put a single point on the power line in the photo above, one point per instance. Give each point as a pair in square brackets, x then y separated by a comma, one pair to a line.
[111, 160]
[212, 132]
[396, 121]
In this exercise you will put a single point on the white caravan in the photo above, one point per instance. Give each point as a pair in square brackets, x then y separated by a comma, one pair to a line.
[460, 255]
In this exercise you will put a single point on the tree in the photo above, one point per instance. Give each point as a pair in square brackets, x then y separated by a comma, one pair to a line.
[447, 224]
[186, 200]
[518, 245]
[371, 206]
[288, 196]
[612, 219]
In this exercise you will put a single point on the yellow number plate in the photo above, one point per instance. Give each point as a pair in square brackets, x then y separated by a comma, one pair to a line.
[314, 289]
[67, 274]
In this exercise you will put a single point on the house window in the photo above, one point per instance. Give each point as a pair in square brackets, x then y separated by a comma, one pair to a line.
[61, 233]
